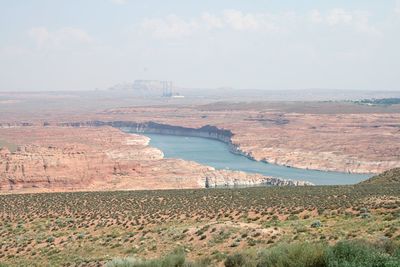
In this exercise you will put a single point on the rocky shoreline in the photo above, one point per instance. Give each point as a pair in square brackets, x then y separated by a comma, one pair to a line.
[83, 158]
[207, 131]
[306, 142]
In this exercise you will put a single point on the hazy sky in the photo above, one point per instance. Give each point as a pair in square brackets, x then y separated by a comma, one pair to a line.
[87, 44]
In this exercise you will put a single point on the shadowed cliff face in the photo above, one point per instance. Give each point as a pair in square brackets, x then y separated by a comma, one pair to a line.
[206, 131]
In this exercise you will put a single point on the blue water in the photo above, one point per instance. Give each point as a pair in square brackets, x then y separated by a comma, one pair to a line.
[216, 154]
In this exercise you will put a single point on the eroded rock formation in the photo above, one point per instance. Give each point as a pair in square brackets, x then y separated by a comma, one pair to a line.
[351, 142]
[325, 136]
[103, 158]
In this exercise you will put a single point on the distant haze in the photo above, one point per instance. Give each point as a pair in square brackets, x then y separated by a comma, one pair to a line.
[260, 44]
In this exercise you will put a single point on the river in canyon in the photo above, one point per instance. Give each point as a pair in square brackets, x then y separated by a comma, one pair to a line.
[216, 154]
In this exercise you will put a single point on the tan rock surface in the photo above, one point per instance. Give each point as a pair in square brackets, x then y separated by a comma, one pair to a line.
[335, 136]
[64, 159]
[356, 143]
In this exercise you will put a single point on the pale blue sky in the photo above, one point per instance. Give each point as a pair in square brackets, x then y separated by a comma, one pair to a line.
[87, 44]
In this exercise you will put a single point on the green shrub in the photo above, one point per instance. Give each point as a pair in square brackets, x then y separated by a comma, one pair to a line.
[175, 259]
[80, 236]
[365, 215]
[363, 210]
[296, 255]
[384, 253]
[205, 262]
[293, 217]
[359, 254]
[235, 260]
[387, 245]
[125, 262]
[316, 224]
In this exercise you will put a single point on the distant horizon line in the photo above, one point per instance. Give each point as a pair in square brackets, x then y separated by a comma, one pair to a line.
[199, 88]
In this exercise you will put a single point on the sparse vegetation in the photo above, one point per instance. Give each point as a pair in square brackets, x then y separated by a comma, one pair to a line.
[388, 177]
[355, 253]
[344, 253]
[208, 226]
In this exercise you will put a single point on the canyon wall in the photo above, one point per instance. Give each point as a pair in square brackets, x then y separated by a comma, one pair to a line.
[317, 138]
[327, 136]
[104, 158]
[206, 131]
[353, 143]
[281, 156]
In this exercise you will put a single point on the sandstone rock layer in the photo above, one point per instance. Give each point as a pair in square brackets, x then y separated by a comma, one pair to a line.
[102, 158]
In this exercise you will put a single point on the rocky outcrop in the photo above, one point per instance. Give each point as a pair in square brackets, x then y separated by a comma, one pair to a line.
[223, 178]
[206, 131]
[280, 146]
[50, 168]
[64, 159]
[327, 136]
[322, 137]
[104, 158]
